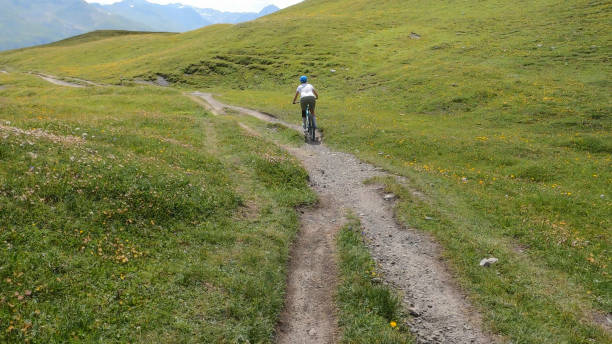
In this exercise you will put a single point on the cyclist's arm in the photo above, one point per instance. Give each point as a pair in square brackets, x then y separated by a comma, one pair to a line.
[295, 98]
[315, 92]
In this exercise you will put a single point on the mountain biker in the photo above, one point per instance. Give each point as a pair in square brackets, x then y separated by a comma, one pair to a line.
[308, 96]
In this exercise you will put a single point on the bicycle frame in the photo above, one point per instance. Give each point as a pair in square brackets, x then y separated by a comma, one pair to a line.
[310, 132]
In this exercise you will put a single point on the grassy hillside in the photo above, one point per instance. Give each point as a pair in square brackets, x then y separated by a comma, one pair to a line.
[498, 111]
[130, 215]
[101, 34]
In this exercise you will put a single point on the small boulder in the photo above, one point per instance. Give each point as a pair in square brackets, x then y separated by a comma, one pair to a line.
[389, 197]
[488, 261]
[414, 312]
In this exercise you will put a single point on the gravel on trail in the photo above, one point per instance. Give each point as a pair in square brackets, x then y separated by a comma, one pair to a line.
[408, 258]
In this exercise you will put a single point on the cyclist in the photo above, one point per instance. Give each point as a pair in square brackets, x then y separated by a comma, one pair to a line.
[308, 96]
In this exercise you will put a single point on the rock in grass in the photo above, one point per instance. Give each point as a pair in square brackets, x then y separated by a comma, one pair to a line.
[389, 197]
[488, 261]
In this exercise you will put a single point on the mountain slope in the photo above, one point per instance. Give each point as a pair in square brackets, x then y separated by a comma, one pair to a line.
[173, 17]
[499, 112]
[24, 23]
[219, 17]
[43, 21]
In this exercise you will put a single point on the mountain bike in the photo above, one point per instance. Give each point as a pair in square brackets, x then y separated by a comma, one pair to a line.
[309, 133]
[310, 130]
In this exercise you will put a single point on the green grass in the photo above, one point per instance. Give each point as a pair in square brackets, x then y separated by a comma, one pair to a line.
[500, 113]
[367, 307]
[162, 225]
[100, 35]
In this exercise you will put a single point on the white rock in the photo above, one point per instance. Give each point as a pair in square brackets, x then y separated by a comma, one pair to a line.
[488, 261]
[389, 197]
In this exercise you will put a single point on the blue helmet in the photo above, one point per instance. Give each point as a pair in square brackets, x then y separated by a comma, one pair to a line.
[303, 79]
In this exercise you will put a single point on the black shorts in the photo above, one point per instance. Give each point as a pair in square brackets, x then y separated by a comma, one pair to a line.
[312, 101]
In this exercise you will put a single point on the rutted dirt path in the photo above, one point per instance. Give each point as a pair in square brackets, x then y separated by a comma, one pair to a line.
[408, 258]
[310, 313]
[59, 82]
[214, 105]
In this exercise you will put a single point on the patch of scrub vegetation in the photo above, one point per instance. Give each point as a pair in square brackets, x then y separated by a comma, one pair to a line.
[131, 215]
[369, 311]
[591, 144]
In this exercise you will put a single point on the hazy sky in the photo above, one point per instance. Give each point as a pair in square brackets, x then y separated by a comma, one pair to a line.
[223, 5]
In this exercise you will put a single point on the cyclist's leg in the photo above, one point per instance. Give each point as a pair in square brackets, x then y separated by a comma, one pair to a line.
[312, 113]
[303, 104]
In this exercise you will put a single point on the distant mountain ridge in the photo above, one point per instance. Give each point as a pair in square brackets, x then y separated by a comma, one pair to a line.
[172, 17]
[219, 17]
[178, 17]
[33, 22]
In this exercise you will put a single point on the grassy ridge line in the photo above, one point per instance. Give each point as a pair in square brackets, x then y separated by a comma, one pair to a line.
[100, 35]
[370, 312]
[115, 239]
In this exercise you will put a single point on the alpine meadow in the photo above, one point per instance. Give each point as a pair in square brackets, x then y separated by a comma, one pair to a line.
[134, 213]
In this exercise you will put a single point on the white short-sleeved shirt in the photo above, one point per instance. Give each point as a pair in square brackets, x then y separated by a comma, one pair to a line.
[306, 90]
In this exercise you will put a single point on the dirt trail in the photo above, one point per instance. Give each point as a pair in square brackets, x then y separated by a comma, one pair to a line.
[310, 313]
[408, 258]
[219, 108]
[56, 81]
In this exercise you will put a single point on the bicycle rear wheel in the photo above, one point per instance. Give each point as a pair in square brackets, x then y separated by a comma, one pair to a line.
[311, 128]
